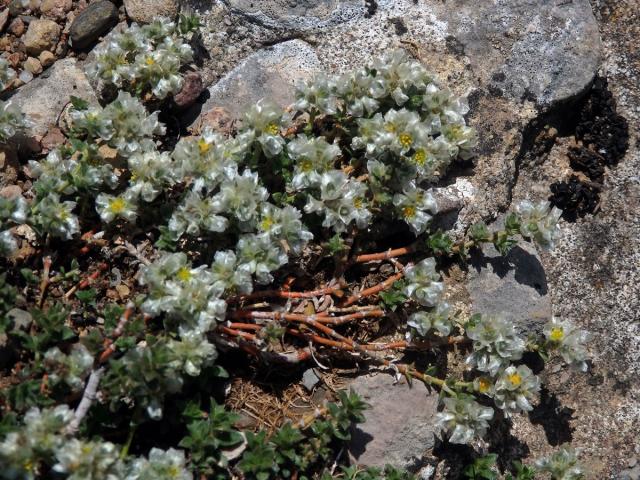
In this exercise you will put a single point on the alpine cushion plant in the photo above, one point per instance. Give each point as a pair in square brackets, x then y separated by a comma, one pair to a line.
[216, 231]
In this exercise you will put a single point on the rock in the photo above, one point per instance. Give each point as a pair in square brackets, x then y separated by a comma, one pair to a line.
[399, 426]
[17, 27]
[54, 138]
[56, 8]
[25, 76]
[146, 11]
[218, 119]
[300, 15]
[191, 90]
[41, 35]
[95, 20]
[515, 286]
[310, 379]
[44, 98]
[33, 65]
[4, 18]
[10, 191]
[46, 58]
[21, 319]
[269, 73]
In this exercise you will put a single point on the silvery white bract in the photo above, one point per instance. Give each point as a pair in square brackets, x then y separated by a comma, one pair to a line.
[240, 196]
[12, 120]
[81, 460]
[316, 95]
[55, 217]
[264, 120]
[495, 343]
[182, 292]
[423, 283]
[72, 369]
[562, 465]
[123, 206]
[40, 433]
[464, 419]
[284, 224]
[228, 275]
[146, 59]
[568, 341]
[342, 201]
[161, 465]
[422, 323]
[514, 390]
[12, 212]
[197, 213]
[415, 206]
[8, 243]
[261, 255]
[7, 74]
[539, 222]
[192, 352]
[151, 172]
[313, 156]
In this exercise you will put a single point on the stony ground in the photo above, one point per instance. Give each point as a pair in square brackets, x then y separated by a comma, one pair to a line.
[528, 67]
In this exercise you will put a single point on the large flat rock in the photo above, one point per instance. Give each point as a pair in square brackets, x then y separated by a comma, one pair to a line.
[43, 99]
[399, 425]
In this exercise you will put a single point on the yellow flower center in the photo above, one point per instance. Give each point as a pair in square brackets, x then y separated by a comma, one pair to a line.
[272, 129]
[515, 379]
[405, 140]
[420, 157]
[390, 127]
[173, 471]
[203, 146]
[306, 165]
[409, 212]
[484, 385]
[150, 61]
[357, 203]
[184, 274]
[556, 334]
[117, 205]
[266, 223]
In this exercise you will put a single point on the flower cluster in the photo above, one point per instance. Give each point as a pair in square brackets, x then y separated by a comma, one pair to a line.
[12, 121]
[422, 323]
[12, 212]
[70, 369]
[568, 341]
[7, 74]
[423, 283]
[464, 418]
[514, 389]
[495, 343]
[124, 124]
[562, 465]
[539, 222]
[147, 59]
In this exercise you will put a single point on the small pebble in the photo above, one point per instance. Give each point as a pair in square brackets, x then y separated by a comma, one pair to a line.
[17, 27]
[33, 65]
[25, 76]
[47, 58]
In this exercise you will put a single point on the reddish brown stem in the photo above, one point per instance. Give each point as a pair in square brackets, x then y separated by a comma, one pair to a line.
[287, 294]
[397, 252]
[109, 343]
[367, 292]
[44, 283]
[84, 283]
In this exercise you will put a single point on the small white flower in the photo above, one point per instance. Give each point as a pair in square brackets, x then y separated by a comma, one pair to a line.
[110, 207]
[495, 343]
[539, 222]
[514, 390]
[562, 465]
[423, 283]
[464, 419]
[568, 341]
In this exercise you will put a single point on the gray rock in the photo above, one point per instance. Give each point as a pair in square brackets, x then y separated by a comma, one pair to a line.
[4, 18]
[21, 319]
[515, 286]
[630, 474]
[145, 11]
[310, 379]
[399, 426]
[298, 15]
[41, 35]
[44, 98]
[95, 20]
[269, 73]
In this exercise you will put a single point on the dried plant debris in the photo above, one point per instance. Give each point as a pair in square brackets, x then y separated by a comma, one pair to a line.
[575, 197]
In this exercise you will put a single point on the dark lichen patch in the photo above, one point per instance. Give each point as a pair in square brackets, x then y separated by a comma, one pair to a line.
[372, 8]
[574, 197]
[454, 45]
[399, 25]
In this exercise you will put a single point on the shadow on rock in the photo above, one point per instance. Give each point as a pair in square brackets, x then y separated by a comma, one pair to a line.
[554, 417]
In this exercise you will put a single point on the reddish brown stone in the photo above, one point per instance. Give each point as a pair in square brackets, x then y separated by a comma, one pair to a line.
[191, 90]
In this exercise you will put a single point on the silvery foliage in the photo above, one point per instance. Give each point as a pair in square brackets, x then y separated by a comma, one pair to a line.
[539, 222]
[568, 341]
[71, 369]
[495, 343]
[7, 74]
[161, 465]
[12, 120]
[514, 389]
[38, 437]
[124, 124]
[12, 212]
[562, 465]
[81, 460]
[464, 419]
[408, 127]
[423, 283]
[55, 217]
[313, 156]
[143, 59]
[264, 122]
[423, 323]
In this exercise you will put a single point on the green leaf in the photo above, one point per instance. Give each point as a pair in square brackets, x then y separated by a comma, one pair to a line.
[393, 297]
[79, 103]
[512, 224]
[479, 232]
[440, 243]
[503, 242]
[482, 468]
[87, 296]
[336, 245]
